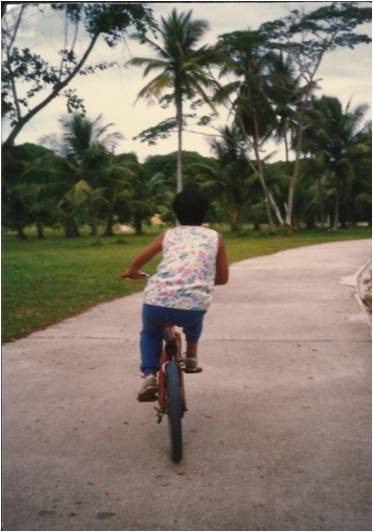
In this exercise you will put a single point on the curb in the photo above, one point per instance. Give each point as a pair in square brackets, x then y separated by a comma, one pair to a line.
[354, 282]
[359, 293]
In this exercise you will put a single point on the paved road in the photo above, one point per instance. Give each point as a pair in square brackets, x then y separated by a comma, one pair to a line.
[278, 432]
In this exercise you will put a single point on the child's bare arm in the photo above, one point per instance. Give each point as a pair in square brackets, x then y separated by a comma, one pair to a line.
[222, 264]
[143, 257]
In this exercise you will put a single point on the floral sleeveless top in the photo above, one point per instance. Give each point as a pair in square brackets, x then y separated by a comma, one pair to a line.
[185, 277]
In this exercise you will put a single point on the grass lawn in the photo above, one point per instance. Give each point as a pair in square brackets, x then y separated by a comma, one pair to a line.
[44, 281]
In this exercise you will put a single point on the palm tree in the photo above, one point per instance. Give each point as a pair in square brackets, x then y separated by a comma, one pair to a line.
[31, 189]
[120, 169]
[287, 98]
[144, 195]
[86, 146]
[248, 98]
[83, 195]
[334, 134]
[230, 180]
[285, 93]
[360, 192]
[183, 68]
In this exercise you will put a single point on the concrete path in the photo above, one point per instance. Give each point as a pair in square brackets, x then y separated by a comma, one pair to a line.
[277, 436]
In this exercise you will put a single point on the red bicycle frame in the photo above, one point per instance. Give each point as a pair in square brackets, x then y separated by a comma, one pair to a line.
[171, 350]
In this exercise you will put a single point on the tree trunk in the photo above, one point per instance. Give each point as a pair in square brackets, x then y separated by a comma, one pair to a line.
[179, 165]
[70, 227]
[321, 204]
[109, 225]
[287, 224]
[286, 141]
[343, 215]
[21, 233]
[94, 224]
[302, 110]
[292, 184]
[235, 220]
[268, 198]
[40, 230]
[293, 178]
[275, 208]
[310, 221]
[337, 204]
[264, 187]
[138, 224]
[353, 215]
[260, 173]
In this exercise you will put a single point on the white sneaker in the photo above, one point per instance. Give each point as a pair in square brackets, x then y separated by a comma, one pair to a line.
[191, 364]
[149, 389]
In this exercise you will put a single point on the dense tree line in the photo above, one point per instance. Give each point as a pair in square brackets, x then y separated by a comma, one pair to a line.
[82, 182]
[267, 80]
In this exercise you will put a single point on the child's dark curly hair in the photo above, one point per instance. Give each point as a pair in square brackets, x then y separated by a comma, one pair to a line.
[190, 207]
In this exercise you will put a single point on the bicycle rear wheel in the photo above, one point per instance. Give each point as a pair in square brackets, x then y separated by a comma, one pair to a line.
[174, 411]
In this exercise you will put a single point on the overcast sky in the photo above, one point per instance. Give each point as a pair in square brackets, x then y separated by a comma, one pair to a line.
[344, 73]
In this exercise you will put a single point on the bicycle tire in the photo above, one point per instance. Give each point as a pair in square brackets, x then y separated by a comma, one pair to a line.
[174, 411]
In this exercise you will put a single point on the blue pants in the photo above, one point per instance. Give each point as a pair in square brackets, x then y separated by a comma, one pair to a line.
[154, 319]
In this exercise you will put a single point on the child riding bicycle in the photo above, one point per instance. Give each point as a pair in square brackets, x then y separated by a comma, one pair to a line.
[194, 259]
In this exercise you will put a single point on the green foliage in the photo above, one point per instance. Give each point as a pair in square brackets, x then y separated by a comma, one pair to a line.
[247, 58]
[146, 195]
[272, 70]
[25, 74]
[166, 164]
[85, 145]
[160, 131]
[30, 187]
[230, 180]
[305, 38]
[323, 29]
[342, 147]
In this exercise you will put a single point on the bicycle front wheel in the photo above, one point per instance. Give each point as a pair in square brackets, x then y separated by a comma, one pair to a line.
[174, 411]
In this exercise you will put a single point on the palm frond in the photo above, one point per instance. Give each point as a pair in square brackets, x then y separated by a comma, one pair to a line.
[155, 87]
[143, 39]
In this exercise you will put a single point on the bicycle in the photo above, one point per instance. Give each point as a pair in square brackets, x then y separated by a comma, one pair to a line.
[171, 390]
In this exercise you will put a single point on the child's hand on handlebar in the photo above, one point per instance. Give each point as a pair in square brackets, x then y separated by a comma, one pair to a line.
[131, 274]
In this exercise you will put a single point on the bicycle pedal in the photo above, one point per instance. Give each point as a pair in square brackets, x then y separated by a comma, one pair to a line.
[194, 370]
[147, 398]
[159, 413]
